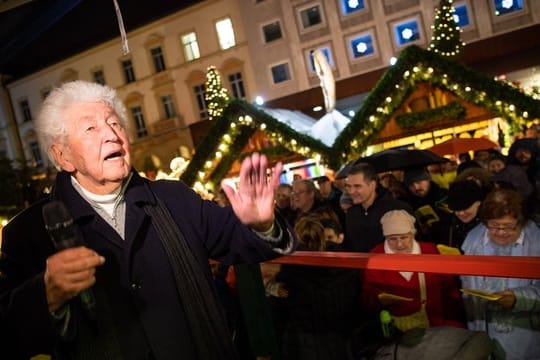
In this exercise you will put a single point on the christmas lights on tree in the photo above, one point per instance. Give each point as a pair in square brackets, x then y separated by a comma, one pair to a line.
[216, 95]
[446, 33]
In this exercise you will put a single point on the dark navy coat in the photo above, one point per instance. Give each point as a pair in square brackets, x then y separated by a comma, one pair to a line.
[138, 309]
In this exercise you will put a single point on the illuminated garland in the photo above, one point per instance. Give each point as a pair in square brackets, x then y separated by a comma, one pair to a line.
[451, 111]
[418, 65]
[415, 65]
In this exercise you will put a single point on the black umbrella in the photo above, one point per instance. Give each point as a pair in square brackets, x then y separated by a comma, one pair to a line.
[401, 159]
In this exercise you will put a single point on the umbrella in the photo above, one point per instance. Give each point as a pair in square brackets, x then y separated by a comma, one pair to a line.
[401, 159]
[461, 145]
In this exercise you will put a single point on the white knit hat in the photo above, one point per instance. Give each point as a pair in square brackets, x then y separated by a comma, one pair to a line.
[397, 222]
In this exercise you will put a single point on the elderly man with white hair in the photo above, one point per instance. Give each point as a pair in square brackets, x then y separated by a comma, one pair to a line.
[143, 251]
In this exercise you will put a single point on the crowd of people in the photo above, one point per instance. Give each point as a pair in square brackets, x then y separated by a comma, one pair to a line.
[135, 280]
[488, 204]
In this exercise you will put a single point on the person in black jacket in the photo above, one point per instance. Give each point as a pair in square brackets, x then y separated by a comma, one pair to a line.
[143, 250]
[363, 219]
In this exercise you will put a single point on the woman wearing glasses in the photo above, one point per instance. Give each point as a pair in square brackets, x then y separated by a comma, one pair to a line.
[511, 315]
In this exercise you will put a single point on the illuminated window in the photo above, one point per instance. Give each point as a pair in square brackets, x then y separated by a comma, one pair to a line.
[157, 58]
[351, 6]
[503, 7]
[225, 32]
[140, 124]
[280, 73]
[311, 17]
[461, 15]
[200, 93]
[406, 32]
[272, 32]
[191, 46]
[361, 46]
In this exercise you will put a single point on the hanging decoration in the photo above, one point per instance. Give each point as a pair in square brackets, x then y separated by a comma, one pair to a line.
[125, 45]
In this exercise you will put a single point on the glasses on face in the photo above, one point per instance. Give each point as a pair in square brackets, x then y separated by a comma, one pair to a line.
[505, 228]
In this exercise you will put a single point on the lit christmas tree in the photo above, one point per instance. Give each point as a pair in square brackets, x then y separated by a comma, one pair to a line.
[216, 95]
[446, 33]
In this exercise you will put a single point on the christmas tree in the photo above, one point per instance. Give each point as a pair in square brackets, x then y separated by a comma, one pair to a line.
[446, 33]
[216, 95]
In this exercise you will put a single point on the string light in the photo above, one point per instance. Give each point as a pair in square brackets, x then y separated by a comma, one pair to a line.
[446, 33]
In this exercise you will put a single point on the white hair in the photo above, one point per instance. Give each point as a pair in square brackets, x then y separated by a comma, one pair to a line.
[51, 123]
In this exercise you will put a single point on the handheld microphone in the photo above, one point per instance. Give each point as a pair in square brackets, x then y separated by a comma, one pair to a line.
[65, 234]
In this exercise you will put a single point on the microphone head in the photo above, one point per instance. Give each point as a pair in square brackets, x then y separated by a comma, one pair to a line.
[63, 231]
[56, 214]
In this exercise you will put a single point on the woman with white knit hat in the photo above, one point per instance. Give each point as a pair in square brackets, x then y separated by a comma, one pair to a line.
[413, 299]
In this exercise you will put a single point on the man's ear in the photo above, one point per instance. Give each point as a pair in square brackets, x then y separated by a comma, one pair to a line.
[58, 152]
[340, 238]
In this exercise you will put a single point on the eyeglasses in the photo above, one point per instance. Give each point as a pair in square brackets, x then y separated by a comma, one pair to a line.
[502, 227]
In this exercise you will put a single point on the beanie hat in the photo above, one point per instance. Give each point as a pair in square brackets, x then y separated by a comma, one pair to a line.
[397, 222]
[414, 175]
[462, 194]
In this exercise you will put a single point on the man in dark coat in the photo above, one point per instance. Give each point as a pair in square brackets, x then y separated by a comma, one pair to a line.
[429, 202]
[143, 305]
[363, 226]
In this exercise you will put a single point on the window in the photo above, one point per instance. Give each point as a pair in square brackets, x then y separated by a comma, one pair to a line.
[36, 154]
[272, 32]
[225, 32]
[200, 91]
[237, 86]
[351, 6]
[99, 77]
[191, 47]
[327, 54]
[168, 106]
[45, 92]
[310, 17]
[406, 32]
[361, 46]
[280, 73]
[157, 58]
[461, 15]
[503, 7]
[129, 73]
[140, 125]
[25, 110]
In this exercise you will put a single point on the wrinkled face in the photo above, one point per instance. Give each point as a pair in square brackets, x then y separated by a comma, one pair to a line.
[400, 243]
[495, 166]
[301, 197]
[420, 188]
[283, 197]
[361, 191]
[96, 148]
[467, 215]
[523, 156]
[504, 230]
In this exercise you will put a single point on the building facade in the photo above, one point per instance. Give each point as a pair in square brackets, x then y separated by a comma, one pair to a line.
[261, 48]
